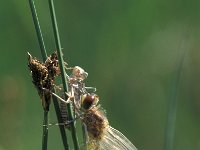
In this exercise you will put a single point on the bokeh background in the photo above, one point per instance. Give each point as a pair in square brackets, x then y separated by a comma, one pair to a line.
[132, 51]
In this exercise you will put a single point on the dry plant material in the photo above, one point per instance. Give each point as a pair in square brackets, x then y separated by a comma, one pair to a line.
[44, 75]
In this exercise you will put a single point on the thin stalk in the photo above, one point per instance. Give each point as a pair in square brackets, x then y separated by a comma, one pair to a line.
[55, 101]
[44, 56]
[38, 30]
[60, 120]
[63, 73]
[85, 139]
[45, 131]
[171, 116]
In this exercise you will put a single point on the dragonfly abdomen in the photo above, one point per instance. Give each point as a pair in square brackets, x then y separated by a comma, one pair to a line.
[96, 123]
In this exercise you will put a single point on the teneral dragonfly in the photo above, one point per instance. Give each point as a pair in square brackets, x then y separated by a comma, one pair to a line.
[101, 136]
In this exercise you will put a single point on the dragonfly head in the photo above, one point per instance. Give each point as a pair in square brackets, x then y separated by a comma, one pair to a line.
[89, 100]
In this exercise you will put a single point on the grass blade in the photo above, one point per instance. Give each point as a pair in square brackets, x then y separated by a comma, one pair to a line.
[173, 101]
[38, 30]
[60, 120]
[56, 105]
[63, 73]
[44, 56]
[45, 131]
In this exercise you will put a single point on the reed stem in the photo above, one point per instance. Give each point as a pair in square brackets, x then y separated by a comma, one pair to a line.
[60, 120]
[44, 56]
[55, 101]
[38, 30]
[63, 73]
[45, 131]
[173, 101]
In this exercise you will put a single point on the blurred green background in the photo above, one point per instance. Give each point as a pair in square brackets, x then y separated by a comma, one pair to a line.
[131, 50]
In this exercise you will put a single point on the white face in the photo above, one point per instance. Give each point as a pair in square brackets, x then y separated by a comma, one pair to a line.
[79, 73]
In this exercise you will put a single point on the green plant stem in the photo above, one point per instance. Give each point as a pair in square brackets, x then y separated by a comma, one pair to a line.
[44, 56]
[85, 140]
[55, 101]
[45, 131]
[38, 30]
[63, 73]
[173, 101]
[171, 118]
[60, 120]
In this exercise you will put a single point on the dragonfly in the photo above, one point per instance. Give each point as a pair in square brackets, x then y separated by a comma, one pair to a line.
[99, 134]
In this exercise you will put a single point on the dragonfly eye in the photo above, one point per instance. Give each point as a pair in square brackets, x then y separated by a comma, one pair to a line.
[79, 73]
[89, 100]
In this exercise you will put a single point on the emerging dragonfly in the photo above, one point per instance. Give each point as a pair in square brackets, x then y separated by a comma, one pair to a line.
[101, 136]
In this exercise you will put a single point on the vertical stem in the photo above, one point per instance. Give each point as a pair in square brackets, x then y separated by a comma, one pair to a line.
[63, 73]
[85, 138]
[60, 120]
[38, 30]
[171, 116]
[45, 131]
[44, 56]
[56, 105]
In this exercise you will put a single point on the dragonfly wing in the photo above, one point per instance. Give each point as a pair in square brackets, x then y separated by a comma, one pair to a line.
[113, 139]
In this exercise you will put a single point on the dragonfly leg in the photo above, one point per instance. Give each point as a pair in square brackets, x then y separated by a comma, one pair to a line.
[63, 124]
[59, 98]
